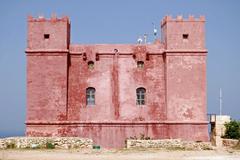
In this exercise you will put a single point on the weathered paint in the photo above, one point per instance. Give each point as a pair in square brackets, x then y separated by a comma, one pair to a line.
[174, 76]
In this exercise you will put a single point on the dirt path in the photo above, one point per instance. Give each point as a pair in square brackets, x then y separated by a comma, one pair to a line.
[116, 155]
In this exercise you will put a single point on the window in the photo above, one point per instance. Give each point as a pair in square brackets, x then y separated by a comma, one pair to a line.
[185, 36]
[46, 36]
[141, 96]
[90, 65]
[90, 93]
[140, 64]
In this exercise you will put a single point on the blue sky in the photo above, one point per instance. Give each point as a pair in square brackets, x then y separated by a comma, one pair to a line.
[122, 21]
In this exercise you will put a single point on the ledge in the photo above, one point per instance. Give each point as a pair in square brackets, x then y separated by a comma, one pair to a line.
[54, 52]
[186, 52]
[46, 51]
[113, 122]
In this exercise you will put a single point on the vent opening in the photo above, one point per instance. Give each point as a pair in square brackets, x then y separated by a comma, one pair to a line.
[46, 36]
[140, 64]
[185, 36]
[90, 65]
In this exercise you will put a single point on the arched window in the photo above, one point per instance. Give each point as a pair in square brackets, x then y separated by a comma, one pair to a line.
[90, 93]
[141, 92]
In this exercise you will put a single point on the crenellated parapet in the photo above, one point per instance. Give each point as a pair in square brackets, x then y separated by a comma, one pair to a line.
[180, 18]
[53, 18]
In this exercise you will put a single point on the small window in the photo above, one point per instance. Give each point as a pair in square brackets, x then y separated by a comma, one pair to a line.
[140, 64]
[185, 36]
[141, 96]
[90, 65]
[90, 96]
[46, 36]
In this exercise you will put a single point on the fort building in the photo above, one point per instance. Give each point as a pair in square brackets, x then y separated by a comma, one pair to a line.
[111, 92]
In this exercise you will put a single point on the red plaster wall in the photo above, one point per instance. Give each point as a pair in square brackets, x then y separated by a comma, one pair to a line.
[151, 78]
[186, 87]
[80, 78]
[46, 87]
[174, 76]
[104, 79]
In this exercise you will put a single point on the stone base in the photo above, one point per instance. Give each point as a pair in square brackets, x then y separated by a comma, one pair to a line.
[230, 142]
[45, 142]
[169, 144]
[113, 135]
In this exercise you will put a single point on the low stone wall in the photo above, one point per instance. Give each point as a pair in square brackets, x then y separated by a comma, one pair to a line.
[45, 142]
[229, 142]
[168, 144]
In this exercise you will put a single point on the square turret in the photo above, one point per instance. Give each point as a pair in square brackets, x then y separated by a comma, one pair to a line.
[183, 34]
[48, 34]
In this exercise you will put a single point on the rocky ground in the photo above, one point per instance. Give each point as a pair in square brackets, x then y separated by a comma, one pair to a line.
[132, 154]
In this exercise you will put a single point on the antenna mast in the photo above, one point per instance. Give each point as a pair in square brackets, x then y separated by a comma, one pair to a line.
[220, 101]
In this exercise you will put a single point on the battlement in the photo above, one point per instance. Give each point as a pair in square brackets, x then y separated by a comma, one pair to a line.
[53, 18]
[180, 18]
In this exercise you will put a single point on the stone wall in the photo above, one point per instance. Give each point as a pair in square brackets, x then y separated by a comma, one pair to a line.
[45, 142]
[168, 144]
[218, 129]
[230, 142]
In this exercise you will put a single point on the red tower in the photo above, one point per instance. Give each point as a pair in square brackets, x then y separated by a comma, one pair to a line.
[110, 92]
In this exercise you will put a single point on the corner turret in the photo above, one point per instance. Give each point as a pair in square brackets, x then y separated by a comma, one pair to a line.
[183, 34]
[48, 34]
